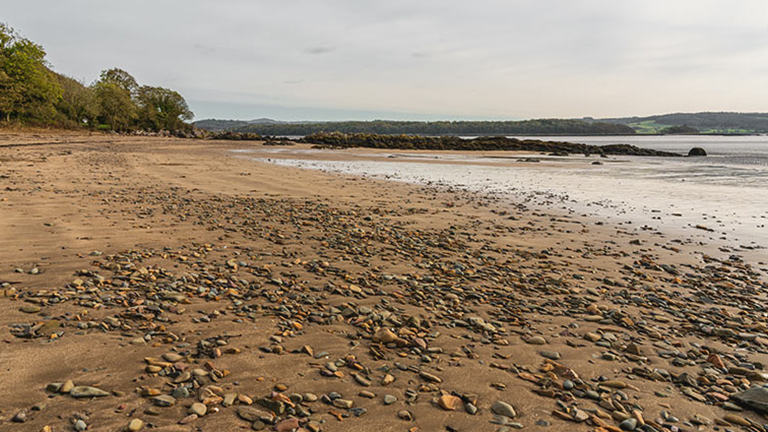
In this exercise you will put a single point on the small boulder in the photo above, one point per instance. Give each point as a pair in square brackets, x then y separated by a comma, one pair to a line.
[755, 398]
[697, 151]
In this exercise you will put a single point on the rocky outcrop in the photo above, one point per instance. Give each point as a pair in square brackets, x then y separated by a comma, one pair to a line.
[418, 142]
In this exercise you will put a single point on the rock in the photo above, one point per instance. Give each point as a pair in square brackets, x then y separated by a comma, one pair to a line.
[431, 378]
[80, 426]
[503, 409]
[697, 151]
[736, 419]
[135, 425]
[363, 381]
[67, 387]
[449, 402]
[629, 424]
[552, 355]
[389, 399]
[197, 408]
[755, 398]
[536, 340]
[229, 399]
[188, 419]
[87, 392]
[470, 408]
[164, 401]
[253, 414]
[343, 403]
[287, 425]
[30, 309]
[20, 417]
[405, 415]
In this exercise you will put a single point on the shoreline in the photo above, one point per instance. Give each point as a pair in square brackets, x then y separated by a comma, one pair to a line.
[275, 265]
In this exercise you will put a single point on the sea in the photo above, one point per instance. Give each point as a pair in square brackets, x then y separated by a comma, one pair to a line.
[719, 199]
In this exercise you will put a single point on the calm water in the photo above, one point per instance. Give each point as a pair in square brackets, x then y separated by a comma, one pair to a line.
[726, 191]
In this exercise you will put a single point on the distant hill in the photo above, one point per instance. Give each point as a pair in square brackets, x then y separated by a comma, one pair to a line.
[704, 122]
[387, 127]
[218, 125]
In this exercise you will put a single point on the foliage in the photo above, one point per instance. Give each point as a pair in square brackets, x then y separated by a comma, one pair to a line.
[527, 127]
[705, 122]
[162, 109]
[78, 105]
[117, 108]
[679, 130]
[31, 92]
[28, 89]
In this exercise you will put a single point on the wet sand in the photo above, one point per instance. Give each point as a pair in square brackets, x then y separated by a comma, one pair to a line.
[274, 284]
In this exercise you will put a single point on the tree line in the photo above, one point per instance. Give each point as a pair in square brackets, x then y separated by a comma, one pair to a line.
[31, 93]
[387, 127]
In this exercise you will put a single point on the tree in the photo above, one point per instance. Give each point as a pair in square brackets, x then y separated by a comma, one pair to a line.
[121, 79]
[78, 103]
[27, 87]
[162, 109]
[117, 109]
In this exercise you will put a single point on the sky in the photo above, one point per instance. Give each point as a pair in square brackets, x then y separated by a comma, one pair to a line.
[417, 59]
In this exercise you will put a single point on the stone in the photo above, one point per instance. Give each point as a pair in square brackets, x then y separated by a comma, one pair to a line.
[449, 402]
[552, 355]
[253, 414]
[67, 387]
[87, 392]
[755, 398]
[405, 415]
[389, 399]
[736, 419]
[229, 399]
[30, 309]
[164, 401]
[470, 408]
[20, 417]
[197, 408]
[503, 409]
[80, 426]
[536, 340]
[628, 425]
[697, 151]
[189, 419]
[431, 378]
[287, 425]
[135, 425]
[343, 403]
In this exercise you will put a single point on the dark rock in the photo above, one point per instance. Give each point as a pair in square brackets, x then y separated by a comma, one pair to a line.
[755, 398]
[697, 151]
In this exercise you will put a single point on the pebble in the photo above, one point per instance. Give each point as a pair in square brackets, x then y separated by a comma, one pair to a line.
[503, 409]
[552, 355]
[80, 426]
[197, 408]
[135, 425]
[87, 392]
[389, 399]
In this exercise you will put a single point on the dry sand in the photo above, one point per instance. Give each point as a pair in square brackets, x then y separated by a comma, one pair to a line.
[123, 249]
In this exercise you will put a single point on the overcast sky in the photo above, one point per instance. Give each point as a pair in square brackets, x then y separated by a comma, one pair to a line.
[417, 59]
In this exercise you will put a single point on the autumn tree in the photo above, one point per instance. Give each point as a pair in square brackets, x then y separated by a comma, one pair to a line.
[78, 103]
[162, 109]
[114, 93]
[28, 89]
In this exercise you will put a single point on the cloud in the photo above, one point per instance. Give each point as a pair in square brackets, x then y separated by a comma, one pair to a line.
[319, 50]
[495, 58]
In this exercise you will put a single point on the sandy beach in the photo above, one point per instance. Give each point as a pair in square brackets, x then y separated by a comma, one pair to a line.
[178, 287]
